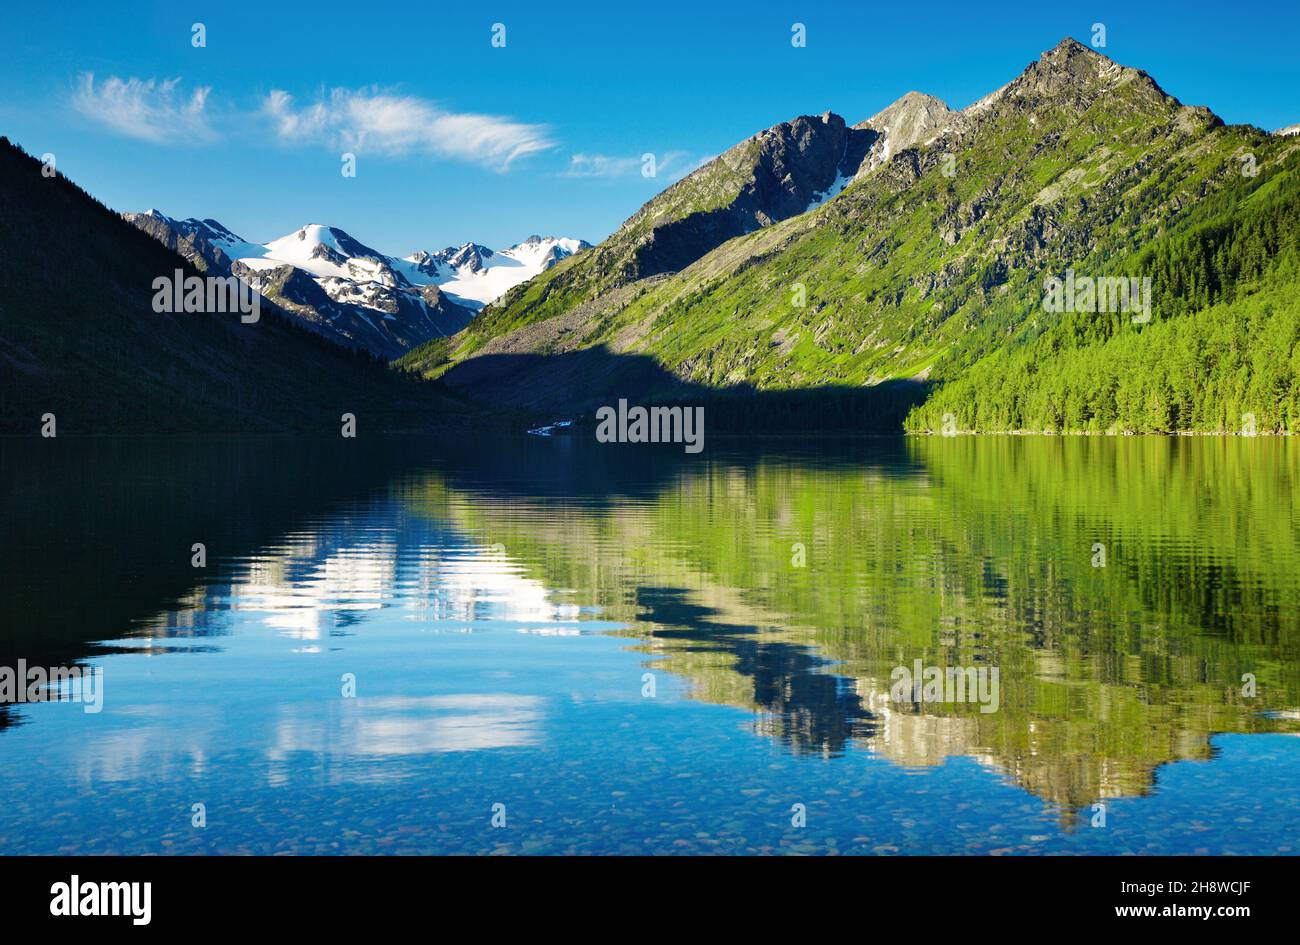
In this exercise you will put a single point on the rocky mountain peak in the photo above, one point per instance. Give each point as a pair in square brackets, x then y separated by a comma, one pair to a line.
[915, 118]
[1075, 74]
[1069, 49]
[796, 160]
[471, 256]
[908, 105]
[1073, 63]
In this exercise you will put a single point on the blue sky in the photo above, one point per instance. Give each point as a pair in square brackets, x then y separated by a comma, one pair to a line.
[457, 140]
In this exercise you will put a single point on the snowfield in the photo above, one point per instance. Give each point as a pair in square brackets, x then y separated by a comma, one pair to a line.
[354, 294]
[470, 275]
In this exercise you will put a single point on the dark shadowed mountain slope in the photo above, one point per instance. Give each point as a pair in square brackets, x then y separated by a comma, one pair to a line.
[79, 337]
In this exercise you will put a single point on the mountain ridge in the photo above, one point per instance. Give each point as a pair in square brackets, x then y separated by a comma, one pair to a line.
[86, 344]
[919, 268]
[353, 294]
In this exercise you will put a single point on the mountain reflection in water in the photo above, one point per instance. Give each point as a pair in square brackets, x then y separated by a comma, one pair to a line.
[638, 650]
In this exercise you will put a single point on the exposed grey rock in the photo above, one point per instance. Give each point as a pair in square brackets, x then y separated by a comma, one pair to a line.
[384, 320]
[781, 171]
[914, 119]
[196, 240]
[381, 312]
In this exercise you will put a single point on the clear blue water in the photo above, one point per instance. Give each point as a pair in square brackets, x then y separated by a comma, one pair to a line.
[500, 608]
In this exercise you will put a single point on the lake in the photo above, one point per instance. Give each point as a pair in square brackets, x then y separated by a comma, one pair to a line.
[551, 645]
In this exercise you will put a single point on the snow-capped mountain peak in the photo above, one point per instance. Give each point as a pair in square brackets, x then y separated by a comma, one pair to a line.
[313, 238]
[346, 289]
[475, 275]
[546, 251]
[471, 256]
[471, 275]
[327, 253]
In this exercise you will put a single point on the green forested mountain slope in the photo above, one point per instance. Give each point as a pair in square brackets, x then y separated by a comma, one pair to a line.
[768, 177]
[1222, 352]
[931, 268]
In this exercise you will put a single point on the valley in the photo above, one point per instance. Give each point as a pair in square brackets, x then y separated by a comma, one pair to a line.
[913, 272]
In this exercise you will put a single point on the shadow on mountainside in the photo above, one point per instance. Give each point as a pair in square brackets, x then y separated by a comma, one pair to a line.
[575, 384]
[84, 342]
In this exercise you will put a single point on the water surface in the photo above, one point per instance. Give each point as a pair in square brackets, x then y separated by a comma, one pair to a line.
[632, 650]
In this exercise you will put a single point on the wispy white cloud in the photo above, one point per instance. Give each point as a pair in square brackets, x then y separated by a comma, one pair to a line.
[379, 122]
[367, 120]
[147, 109]
[671, 165]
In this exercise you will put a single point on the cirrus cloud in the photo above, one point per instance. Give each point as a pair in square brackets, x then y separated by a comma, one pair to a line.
[383, 123]
[147, 109]
[366, 120]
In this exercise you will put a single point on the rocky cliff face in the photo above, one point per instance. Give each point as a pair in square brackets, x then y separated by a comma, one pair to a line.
[774, 175]
[770, 177]
[199, 241]
[382, 319]
[915, 119]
